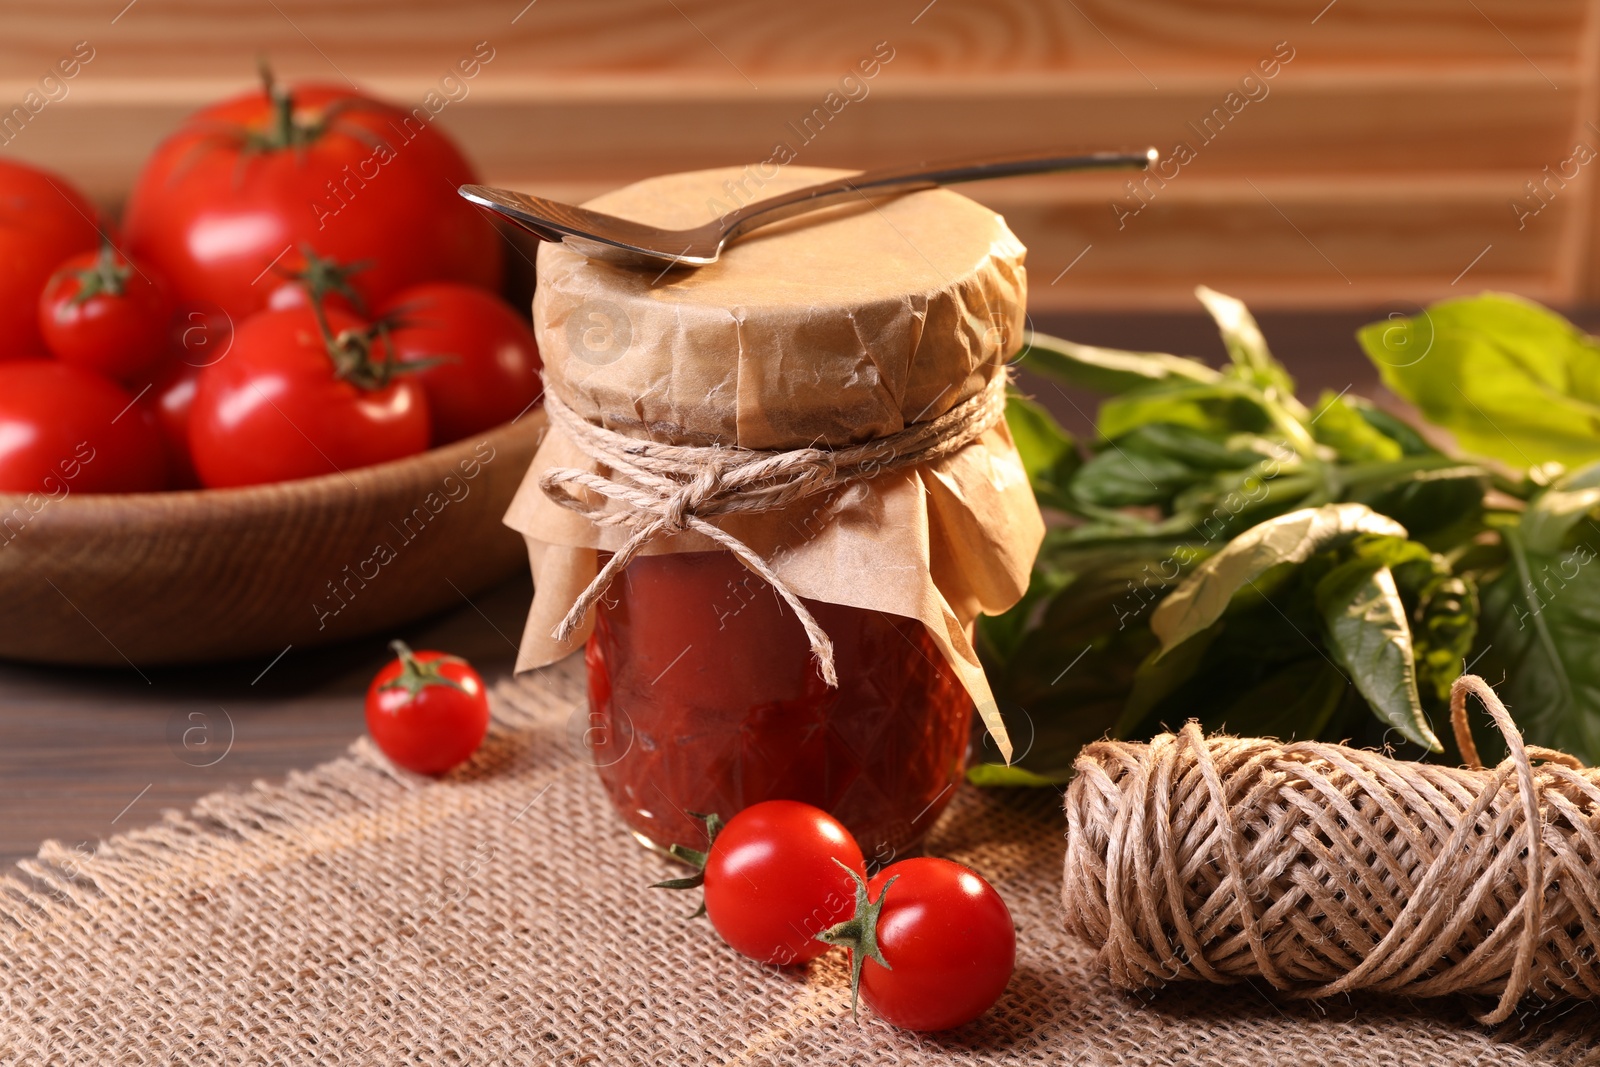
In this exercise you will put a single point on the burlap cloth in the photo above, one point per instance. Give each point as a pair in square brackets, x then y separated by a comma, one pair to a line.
[355, 914]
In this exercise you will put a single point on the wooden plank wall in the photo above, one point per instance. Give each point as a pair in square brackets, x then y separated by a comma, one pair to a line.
[1378, 164]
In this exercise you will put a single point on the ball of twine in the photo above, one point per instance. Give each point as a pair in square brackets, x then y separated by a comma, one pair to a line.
[1324, 869]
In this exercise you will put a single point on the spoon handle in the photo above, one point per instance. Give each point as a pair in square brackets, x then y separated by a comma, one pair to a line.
[863, 186]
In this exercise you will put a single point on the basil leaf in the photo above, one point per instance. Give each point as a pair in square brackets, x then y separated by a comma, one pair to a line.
[1066, 690]
[1150, 464]
[1065, 683]
[999, 635]
[1541, 627]
[1049, 455]
[1426, 501]
[1105, 370]
[1293, 703]
[1342, 428]
[1446, 620]
[1158, 677]
[1200, 450]
[1552, 516]
[1369, 635]
[1232, 501]
[1393, 427]
[1393, 552]
[1218, 408]
[1287, 539]
[1234, 679]
[1097, 590]
[1554, 512]
[1582, 478]
[998, 774]
[1510, 379]
[1244, 342]
[1122, 475]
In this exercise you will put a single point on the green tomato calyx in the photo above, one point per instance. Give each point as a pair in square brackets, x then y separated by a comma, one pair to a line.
[859, 934]
[695, 859]
[415, 676]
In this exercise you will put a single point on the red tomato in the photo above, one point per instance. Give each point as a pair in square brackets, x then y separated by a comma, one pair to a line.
[201, 334]
[171, 396]
[771, 880]
[427, 711]
[103, 313]
[275, 408]
[488, 369]
[43, 220]
[67, 430]
[945, 944]
[245, 185]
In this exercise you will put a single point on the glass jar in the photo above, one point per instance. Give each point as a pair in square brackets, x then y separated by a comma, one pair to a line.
[799, 347]
[704, 697]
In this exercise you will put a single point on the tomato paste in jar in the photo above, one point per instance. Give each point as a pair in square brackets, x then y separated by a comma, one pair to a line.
[705, 697]
[785, 468]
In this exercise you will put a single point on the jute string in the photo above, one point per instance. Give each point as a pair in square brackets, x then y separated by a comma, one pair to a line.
[1325, 869]
[661, 489]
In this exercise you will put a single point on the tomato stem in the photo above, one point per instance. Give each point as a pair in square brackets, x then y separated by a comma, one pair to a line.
[859, 933]
[108, 276]
[283, 132]
[398, 319]
[414, 677]
[322, 276]
[695, 859]
[350, 350]
[283, 127]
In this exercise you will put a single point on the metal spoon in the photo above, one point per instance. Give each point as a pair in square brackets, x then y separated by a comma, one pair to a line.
[601, 236]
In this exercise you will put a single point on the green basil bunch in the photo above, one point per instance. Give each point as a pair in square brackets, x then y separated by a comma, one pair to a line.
[1224, 552]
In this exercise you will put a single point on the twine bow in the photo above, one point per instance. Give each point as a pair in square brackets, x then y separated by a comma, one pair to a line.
[659, 489]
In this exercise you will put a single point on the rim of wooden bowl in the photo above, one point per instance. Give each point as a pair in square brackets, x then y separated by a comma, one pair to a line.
[273, 496]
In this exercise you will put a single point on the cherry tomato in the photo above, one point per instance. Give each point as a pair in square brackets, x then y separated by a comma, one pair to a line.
[427, 711]
[488, 362]
[171, 396]
[245, 185]
[43, 220]
[66, 430]
[104, 313]
[771, 880]
[945, 944]
[276, 408]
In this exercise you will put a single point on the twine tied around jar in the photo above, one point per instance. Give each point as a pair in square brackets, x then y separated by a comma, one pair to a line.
[1326, 869]
[656, 489]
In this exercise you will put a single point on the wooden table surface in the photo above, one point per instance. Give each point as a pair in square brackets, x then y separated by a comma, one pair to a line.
[88, 753]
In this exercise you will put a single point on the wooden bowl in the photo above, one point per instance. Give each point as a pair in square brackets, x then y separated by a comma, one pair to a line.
[150, 578]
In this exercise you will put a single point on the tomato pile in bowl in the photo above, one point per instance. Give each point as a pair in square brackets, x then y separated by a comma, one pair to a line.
[280, 400]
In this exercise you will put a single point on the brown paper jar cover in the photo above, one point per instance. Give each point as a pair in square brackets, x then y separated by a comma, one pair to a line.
[827, 329]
